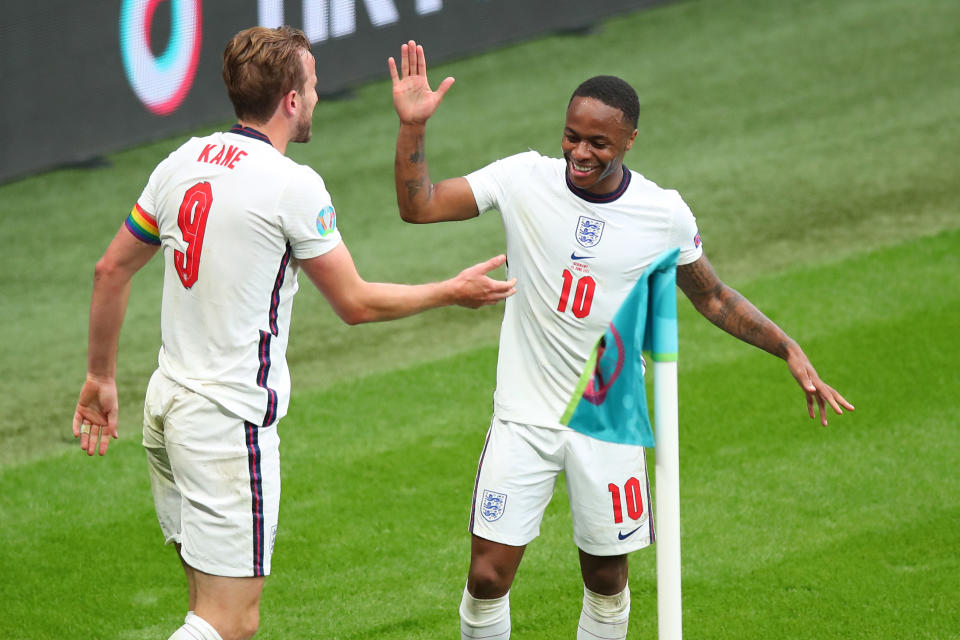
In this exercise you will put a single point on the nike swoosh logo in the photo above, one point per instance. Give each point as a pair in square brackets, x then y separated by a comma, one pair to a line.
[624, 536]
[574, 256]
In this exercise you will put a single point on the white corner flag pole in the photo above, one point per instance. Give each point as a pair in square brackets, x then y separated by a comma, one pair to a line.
[665, 345]
[666, 424]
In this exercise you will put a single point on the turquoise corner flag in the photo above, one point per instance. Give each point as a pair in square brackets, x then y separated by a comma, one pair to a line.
[610, 401]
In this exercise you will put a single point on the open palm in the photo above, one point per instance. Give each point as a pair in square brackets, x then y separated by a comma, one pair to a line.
[413, 99]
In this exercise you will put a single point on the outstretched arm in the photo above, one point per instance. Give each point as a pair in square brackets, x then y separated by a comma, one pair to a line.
[95, 418]
[419, 199]
[356, 300]
[736, 315]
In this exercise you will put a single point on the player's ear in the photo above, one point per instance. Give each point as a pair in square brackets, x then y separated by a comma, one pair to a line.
[290, 101]
[633, 136]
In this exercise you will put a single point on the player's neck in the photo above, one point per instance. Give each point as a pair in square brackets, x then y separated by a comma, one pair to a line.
[276, 131]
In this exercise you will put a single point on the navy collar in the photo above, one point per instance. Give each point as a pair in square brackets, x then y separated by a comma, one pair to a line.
[583, 194]
[250, 132]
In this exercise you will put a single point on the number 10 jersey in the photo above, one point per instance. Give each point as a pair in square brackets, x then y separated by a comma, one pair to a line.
[576, 256]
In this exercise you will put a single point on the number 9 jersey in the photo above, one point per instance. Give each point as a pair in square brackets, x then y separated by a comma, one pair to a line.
[576, 256]
[232, 214]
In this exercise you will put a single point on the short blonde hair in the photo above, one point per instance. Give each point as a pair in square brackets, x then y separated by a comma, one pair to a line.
[260, 65]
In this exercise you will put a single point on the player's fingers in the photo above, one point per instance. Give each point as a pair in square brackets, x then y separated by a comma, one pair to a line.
[492, 263]
[445, 85]
[830, 398]
[404, 60]
[104, 441]
[504, 294]
[89, 443]
[392, 66]
[421, 61]
[822, 405]
[501, 289]
[411, 68]
[810, 405]
[843, 401]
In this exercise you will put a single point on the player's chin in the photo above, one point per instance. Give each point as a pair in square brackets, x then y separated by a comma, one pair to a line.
[583, 175]
[303, 135]
[582, 179]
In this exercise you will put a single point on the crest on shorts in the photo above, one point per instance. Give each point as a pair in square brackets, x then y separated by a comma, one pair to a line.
[492, 505]
[589, 231]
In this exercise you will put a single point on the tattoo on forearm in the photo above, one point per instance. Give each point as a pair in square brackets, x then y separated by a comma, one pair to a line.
[420, 182]
[698, 278]
[413, 187]
[419, 155]
[728, 309]
[739, 317]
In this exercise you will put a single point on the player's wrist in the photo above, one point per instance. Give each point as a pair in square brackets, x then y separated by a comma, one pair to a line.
[790, 350]
[413, 125]
[100, 378]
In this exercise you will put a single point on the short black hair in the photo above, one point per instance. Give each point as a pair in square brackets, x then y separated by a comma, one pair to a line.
[611, 91]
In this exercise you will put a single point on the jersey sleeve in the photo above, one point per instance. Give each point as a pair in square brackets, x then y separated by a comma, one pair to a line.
[142, 226]
[488, 183]
[308, 217]
[684, 232]
[142, 221]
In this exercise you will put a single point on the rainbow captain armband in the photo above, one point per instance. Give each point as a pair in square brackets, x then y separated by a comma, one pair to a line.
[142, 225]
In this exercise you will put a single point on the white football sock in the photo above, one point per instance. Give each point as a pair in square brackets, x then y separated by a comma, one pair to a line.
[604, 617]
[195, 628]
[486, 619]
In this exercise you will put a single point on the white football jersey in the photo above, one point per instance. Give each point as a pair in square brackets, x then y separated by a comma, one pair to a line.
[232, 213]
[575, 256]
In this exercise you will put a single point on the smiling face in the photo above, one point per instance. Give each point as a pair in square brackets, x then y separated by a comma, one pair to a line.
[595, 139]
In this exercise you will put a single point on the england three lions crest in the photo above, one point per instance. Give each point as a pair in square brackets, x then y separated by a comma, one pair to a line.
[589, 231]
[492, 505]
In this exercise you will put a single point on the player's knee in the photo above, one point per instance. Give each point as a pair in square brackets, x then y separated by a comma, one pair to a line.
[607, 575]
[486, 582]
[606, 582]
[240, 627]
[249, 624]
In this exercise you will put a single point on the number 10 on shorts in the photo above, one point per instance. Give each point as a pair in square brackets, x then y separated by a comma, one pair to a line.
[632, 494]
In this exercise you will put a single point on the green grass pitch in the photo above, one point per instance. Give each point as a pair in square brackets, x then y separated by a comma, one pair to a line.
[815, 140]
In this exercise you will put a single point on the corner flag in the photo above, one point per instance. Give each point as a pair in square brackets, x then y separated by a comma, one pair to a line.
[610, 403]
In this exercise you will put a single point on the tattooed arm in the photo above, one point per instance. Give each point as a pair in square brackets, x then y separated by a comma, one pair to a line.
[419, 199]
[736, 315]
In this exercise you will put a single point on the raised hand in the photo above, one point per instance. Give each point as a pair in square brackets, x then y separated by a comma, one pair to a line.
[413, 99]
[475, 289]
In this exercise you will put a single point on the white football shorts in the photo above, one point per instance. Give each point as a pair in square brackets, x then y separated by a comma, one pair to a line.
[607, 484]
[215, 480]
